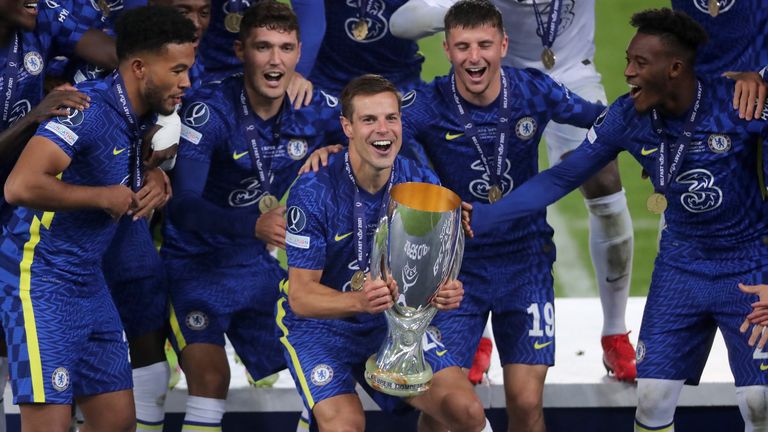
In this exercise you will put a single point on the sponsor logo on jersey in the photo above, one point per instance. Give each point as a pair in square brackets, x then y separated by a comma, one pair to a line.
[62, 132]
[719, 143]
[452, 136]
[537, 345]
[236, 155]
[342, 236]
[525, 128]
[321, 375]
[196, 114]
[33, 62]
[702, 195]
[19, 110]
[60, 379]
[196, 320]
[408, 99]
[648, 151]
[116, 151]
[72, 119]
[763, 367]
[640, 351]
[601, 118]
[331, 101]
[297, 148]
[190, 134]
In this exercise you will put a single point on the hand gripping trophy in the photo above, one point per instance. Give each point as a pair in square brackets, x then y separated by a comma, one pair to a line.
[419, 243]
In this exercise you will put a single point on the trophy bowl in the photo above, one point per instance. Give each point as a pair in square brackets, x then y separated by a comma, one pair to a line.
[419, 243]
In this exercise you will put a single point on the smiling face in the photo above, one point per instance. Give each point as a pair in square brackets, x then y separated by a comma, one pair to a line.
[269, 60]
[197, 11]
[651, 66]
[475, 54]
[166, 77]
[374, 130]
[19, 13]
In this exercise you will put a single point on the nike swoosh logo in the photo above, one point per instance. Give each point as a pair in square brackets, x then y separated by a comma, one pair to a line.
[616, 279]
[450, 137]
[441, 353]
[645, 152]
[236, 155]
[342, 237]
[116, 152]
[538, 346]
[763, 367]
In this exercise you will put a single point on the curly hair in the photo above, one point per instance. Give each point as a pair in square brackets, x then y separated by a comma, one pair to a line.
[679, 31]
[150, 28]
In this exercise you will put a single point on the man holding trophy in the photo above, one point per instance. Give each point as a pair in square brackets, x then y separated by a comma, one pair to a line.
[329, 316]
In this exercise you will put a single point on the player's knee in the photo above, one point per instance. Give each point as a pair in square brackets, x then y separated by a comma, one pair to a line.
[753, 404]
[656, 401]
[341, 422]
[525, 407]
[465, 411]
[210, 382]
[116, 420]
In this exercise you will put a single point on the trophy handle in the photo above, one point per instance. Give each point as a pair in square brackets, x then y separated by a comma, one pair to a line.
[379, 250]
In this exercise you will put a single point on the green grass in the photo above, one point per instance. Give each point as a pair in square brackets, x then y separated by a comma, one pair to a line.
[612, 36]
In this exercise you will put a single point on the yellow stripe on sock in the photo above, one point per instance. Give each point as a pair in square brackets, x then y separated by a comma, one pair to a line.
[198, 428]
[141, 427]
[25, 285]
[669, 428]
[292, 351]
[180, 341]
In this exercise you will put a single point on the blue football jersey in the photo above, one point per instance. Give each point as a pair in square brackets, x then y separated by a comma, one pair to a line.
[343, 57]
[320, 220]
[732, 33]
[431, 119]
[99, 143]
[212, 134]
[715, 198]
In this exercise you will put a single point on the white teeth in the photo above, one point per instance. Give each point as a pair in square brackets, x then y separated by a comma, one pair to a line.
[382, 143]
[633, 86]
[477, 69]
[274, 74]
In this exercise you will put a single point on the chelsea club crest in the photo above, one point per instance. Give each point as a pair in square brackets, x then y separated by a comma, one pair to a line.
[525, 128]
[33, 62]
[719, 143]
[297, 148]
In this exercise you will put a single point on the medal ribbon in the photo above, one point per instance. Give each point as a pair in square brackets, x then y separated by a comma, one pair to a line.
[679, 147]
[119, 92]
[363, 10]
[251, 132]
[548, 33]
[359, 214]
[9, 76]
[236, 6]
[502, 130]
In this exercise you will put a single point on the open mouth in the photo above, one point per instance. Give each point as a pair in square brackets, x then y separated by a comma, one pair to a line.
[634, 90]
[30, 6]
[476, 72]
[273, 76]
[382, 145]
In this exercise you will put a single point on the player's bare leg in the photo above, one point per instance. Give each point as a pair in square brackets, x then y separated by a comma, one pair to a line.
[611, 245]
[207, 371]
[45, 417]
[108, 412]
[524, 391]
[342, 413]
[450, 404]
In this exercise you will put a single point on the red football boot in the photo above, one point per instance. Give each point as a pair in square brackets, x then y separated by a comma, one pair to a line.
[482, 361]
[619, 357]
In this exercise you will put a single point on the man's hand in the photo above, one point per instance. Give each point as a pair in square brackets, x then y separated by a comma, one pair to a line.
[270, 227]
[164, 139]
[154, 194]
[759, 315]
[449, 296]
[377, 295]
[58, 102]
[749, 86]
[319, 158]
[117, 200]
[299, 90]
[466, 219]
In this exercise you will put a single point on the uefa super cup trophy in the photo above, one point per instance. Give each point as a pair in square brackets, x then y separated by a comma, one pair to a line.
[419, 242]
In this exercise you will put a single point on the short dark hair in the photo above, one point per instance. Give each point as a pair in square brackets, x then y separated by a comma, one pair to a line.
[472, 14]
[150, 28]
[365, 85]
[271, 15]
[676, 29]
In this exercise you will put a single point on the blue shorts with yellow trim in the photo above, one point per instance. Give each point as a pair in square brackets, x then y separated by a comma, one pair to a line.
[142, 304]
[209, 302]
[519, 292]
[65, 339]
[692, 295]
[327, 357]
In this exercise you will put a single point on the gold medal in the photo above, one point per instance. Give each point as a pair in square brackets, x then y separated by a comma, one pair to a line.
[656, 203]
[360, 29]
[104, 7]
[494, 194]
[548, 58]
[357, 281]
[232, 22]
[267, 203]
[714, 8]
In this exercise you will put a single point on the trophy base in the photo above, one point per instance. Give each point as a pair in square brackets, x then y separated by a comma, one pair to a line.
[397, 384]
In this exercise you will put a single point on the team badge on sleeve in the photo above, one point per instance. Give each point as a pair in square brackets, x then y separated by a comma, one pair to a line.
[296, 221]
[60, 379]
[72, 119]
[196, 114]
[408, 99]
[719, 143]
[525, 128]
[321, 375]
[33, 62]
[297, 148]
[331, 101]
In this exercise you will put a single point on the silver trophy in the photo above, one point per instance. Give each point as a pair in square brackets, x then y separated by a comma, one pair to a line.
[419, 242]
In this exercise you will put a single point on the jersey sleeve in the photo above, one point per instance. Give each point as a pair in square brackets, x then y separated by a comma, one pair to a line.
[312, 31]
[306, 224]
[566, 107]
[202, 128]
[59, 29]
[69, 132]
[600, 147]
